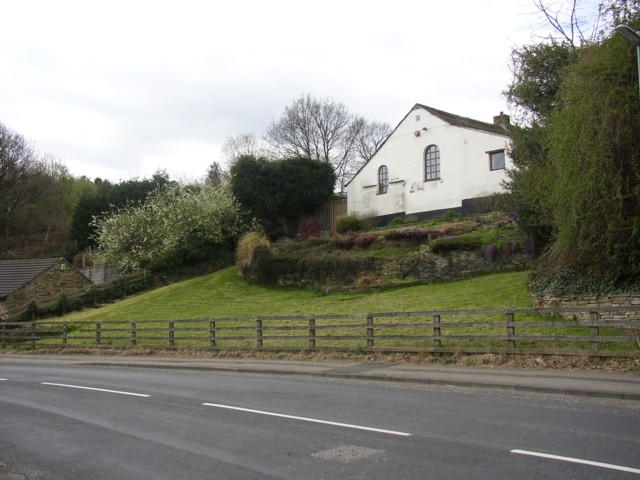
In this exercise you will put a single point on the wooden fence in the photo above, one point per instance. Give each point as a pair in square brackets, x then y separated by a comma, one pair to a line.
[437, 332]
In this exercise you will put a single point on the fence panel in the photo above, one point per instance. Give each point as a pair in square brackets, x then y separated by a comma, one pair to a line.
[464, 331]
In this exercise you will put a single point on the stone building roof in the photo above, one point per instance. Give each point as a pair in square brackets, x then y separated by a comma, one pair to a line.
[16, 273]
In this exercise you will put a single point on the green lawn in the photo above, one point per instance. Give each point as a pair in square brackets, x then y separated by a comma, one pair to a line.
[225, 294]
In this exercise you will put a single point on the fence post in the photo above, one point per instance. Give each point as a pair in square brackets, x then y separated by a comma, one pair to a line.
[212, 334]
[594, 330]
[98, 331]
[258, 332]
[33, 335]
[370, 331]
[133, 334]
[312, 333]
[511, 330]
[64, 334]
[172, 340]
[436, 331]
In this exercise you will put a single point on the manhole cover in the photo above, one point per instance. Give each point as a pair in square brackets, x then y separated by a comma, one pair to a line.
[347, 453]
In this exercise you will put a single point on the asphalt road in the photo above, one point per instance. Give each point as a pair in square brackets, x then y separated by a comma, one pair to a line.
[111, 423]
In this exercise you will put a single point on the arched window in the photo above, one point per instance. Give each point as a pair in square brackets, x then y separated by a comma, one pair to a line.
[383, 179]
[432, 163]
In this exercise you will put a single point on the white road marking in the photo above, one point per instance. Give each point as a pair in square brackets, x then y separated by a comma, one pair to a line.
[97, 389]
[3, 379]
[578, 460]
[305, 419]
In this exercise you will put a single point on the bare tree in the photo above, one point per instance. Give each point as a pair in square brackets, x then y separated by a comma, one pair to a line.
[577, 27]
[324, 129]
[242, 144]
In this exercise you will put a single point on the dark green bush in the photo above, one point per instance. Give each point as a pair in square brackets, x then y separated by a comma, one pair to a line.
[449, 244]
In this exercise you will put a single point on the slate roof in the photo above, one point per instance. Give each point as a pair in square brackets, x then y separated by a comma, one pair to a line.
[464, 122]
[16, 273]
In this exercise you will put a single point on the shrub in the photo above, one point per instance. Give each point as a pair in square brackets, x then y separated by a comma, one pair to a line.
[490, 251]
[246, 247]
[311, 228]
[396, 221]
[412, 236]
[345, 243]
[365, 241]
[351, 222]
[449, 244]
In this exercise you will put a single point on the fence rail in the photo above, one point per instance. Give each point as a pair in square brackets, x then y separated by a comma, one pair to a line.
[446, 331]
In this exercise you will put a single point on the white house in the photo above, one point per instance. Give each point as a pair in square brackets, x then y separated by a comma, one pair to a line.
[432, 162]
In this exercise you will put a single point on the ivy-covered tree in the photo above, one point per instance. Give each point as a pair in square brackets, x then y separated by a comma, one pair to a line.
[576, 151]
[594, 170]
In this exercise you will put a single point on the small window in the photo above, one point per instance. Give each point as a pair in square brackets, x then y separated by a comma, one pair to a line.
[496, 160]
[431, 163]
[383, 179]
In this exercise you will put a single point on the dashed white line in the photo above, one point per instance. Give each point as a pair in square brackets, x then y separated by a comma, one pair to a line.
[3, 379]
[578, 460]
[96, 389]
[305, 419]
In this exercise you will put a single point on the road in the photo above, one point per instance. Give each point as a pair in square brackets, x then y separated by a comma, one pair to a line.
[79, 422]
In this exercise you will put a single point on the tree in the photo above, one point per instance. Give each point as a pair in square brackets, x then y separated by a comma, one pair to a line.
[242, 144]
[216, 176]
[176, 225]
[19, 172]
[323, 129]
[576, 150]
[277, 193]
[106, 198]
[594, 153]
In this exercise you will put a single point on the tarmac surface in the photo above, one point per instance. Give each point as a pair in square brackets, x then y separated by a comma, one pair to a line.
[588, 383]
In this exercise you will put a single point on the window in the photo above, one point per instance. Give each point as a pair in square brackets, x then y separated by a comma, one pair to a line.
[383, 179]
[432, 163]
[496, 160]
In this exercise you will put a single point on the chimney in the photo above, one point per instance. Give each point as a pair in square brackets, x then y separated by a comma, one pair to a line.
[502, 120]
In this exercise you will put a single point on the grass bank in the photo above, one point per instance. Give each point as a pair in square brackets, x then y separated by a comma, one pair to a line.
[225, 294]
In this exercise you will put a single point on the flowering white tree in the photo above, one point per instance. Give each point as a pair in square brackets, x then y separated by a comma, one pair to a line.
[176, 225]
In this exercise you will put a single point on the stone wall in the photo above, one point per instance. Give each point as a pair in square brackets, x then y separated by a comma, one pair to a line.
[595, 301]
[52, 282]
[428, 267]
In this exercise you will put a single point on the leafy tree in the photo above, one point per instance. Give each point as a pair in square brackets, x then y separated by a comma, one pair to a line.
[176, 225]
[19, 175]
[107, 197]
[216, 176]
[278, 192]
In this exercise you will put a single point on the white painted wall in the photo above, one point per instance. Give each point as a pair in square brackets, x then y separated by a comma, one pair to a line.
[464, 166]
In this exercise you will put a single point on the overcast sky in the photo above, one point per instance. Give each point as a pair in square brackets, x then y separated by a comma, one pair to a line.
[119, 89]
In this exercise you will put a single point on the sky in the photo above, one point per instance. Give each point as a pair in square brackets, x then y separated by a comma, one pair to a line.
[120, 89]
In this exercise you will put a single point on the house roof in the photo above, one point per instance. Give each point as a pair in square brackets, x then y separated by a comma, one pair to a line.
[16, 273]
[450, 118]
[464, 122]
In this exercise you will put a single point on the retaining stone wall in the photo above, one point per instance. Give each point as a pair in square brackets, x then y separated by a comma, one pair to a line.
[623, 300]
